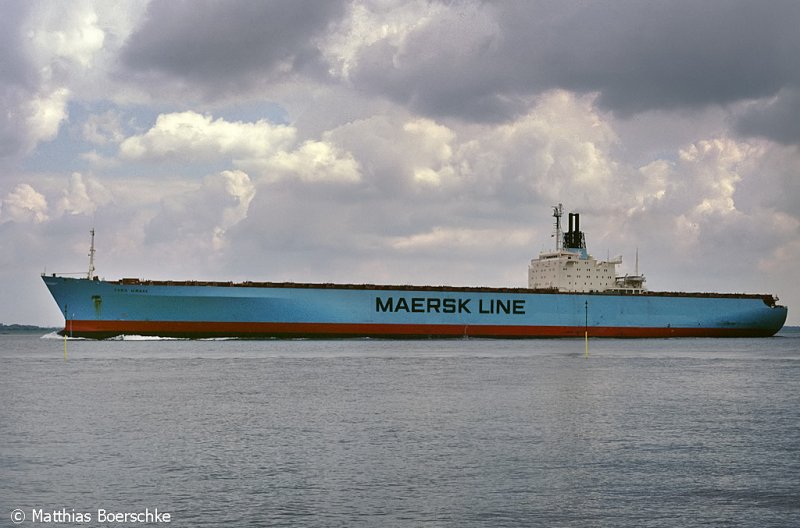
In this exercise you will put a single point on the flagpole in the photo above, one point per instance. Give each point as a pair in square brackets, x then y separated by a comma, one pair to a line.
[586, 328]
[65, 332]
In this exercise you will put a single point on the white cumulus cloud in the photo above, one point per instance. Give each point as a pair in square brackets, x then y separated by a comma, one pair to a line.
[312, 161]
[44, 114]
[195, 220]
[191, 136]
[68, 31]
[24, 204]
[268, 149]
[83, 196]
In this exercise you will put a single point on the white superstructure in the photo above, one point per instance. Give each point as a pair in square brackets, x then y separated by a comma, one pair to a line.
[571, 269]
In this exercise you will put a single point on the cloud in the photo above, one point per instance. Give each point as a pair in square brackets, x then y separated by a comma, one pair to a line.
[559, 149]
[462, 241]
[46, 47]
[712, 208]
[227, 47]
[368, 23]
[430, 191]
[481, 61]
[191, 137]
[99, 160]
[24, 204]
[559, 146]
[237, 186]
[418, 173]
[17, 79]
[433, 159]
[270, 150]
[783, 259]
[101, 129]
[718, 166]
[72, 34]
[83, 196]
[641, 56]
[33, 108]
[44, 115]
[447, 62]
[195, 221]
[312, 161]
[776, 118]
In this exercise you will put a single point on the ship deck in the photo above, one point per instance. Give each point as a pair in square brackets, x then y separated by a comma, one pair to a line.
[768, 299]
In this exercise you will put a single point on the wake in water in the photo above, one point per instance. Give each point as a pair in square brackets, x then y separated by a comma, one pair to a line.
[141, 338]
[55, 335]
[134, 337]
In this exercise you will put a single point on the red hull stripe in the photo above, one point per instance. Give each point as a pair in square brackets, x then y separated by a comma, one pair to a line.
[103, 329]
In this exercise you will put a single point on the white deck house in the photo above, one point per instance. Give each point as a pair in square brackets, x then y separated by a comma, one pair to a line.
[571, 269]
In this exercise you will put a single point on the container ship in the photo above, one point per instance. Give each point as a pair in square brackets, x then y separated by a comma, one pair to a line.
[569, 294]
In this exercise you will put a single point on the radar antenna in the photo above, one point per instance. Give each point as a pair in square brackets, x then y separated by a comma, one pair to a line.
[90, 275]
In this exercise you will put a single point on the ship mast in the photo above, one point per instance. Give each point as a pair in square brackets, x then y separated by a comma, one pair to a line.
[558, 212]
[90, 275]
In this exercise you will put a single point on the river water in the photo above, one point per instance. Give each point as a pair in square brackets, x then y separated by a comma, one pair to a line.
[682, 432]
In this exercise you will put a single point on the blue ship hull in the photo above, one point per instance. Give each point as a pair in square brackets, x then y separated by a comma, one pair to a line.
[102, 309]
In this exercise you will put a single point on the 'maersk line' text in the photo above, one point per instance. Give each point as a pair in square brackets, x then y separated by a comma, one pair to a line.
[449, 305]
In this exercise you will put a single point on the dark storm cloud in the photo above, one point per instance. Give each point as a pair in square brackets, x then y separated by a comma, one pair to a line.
[667, 55]
[221, 45]
[636, 55]
[778, 119]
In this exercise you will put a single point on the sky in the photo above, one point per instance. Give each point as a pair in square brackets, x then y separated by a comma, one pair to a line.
[397, 141]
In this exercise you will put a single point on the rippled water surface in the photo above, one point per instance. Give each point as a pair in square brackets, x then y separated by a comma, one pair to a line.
[694, 432]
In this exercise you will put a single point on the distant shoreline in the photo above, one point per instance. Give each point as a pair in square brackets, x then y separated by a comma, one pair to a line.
[26, 329]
